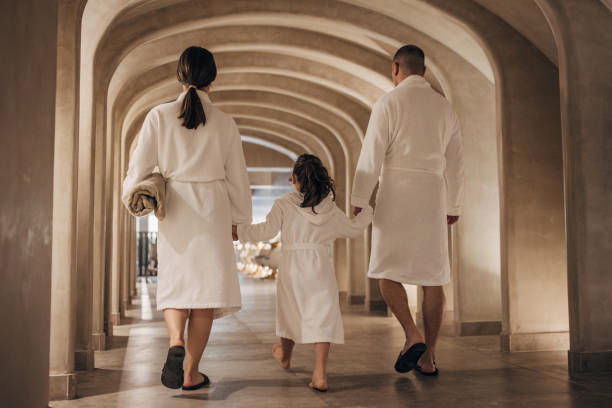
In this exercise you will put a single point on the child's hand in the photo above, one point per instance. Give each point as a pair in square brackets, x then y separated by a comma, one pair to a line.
[234, 233]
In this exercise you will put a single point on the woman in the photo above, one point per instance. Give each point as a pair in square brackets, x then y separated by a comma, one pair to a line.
[198, 150]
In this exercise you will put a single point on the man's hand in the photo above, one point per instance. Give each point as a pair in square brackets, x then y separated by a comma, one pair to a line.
[234, 233]
[356, 211]
[451, 219]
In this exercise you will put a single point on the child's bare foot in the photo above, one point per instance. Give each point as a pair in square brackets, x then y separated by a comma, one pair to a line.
[277, 352]
[319, 382]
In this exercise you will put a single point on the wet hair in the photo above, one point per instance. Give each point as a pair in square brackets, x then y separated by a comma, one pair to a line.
[315, 183]
[410, 58]
[196, 69]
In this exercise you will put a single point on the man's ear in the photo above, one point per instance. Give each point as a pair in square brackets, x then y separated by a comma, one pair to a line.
[396, 68]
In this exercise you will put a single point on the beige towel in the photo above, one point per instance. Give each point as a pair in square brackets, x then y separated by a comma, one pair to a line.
[147, 196]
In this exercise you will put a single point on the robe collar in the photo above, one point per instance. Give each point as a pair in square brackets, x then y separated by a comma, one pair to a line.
[203, 96]
[414, 80]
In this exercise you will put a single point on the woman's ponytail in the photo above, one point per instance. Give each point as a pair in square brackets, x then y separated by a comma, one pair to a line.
[192, 111]
[196, 69]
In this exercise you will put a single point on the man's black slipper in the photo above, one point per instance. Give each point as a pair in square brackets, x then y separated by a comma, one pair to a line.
[204, 382]
[172, 373]
[408, 360]
[427, 373]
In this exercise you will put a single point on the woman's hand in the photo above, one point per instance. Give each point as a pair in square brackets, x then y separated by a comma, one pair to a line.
[234, 232]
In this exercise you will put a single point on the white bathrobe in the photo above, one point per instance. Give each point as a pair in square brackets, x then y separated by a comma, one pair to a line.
[307, 304]
[207, 191]
[413, 143]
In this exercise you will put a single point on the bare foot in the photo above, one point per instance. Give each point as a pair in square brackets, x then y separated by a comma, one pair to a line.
[427, 363]
[277, 352]
[412, 341]
[319, 382]
[192, 379]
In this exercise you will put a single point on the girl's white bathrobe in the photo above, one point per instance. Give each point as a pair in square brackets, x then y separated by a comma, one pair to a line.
[413, 143]
[207, 190]
[307, 304]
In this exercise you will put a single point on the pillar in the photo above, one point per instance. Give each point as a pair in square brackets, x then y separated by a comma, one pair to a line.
[582, 32]
[124, 268]
[115, 292]
[532, 244]
[132, 257]
[65, 285]
[27, 118]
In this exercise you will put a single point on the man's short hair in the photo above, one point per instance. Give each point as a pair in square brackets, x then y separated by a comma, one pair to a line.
[410, 58]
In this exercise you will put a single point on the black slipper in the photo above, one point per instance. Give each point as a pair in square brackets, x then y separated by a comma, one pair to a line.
[427, 373]
[317, 389]
[172, 373]
[408, 361]
[204, 382]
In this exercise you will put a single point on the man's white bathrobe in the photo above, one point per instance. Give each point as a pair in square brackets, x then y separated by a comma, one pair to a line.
[413, 143]
[207, 190]
[307, 304]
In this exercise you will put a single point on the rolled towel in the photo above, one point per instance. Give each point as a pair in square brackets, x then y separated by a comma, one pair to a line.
[148, 195]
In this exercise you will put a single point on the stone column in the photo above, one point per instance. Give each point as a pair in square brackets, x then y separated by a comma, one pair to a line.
[91, 335]
[533, 268]
[125, 273]
[27, 123]
[64, 285]
[132, 257]
[584, 40]
[115, 295]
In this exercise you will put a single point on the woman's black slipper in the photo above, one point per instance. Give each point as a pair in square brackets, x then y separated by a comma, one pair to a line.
[427, 373]
[172, 373]
[408, 360]
[204, 382]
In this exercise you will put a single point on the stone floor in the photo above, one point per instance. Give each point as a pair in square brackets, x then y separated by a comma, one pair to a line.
[473, 372]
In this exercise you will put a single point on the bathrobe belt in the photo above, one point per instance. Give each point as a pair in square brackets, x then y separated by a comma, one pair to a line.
[437, 172]
[297, 245]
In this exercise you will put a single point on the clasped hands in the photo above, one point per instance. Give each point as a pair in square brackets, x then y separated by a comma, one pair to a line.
[450, 219]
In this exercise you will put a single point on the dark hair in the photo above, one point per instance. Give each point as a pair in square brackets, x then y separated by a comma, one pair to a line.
[315, 183]
[196, 67]
[411, 58]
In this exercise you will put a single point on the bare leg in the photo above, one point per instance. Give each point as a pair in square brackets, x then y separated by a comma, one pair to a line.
[433, 309]
[319, 375]
[175, 323]
[395, 296]
[200, 323]
[282, 352]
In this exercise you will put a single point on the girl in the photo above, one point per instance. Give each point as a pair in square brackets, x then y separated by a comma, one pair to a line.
[307, 306]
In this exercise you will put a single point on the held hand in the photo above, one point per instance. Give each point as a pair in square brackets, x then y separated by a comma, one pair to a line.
[357, 210]
[234, 233]
[451, 219]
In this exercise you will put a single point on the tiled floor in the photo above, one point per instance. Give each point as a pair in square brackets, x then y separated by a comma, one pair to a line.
[473, 372]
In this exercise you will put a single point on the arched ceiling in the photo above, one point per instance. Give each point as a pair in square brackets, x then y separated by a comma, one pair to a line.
[301, 76]
[527, 18]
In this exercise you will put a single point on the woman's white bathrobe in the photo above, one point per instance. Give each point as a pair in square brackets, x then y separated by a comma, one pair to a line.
[307, 304]
[413, 142]
[207, 191]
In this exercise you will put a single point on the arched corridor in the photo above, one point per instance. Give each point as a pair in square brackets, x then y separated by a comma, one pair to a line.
[529, 80]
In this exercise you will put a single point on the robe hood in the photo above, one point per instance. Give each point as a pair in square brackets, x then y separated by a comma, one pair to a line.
[324, 210]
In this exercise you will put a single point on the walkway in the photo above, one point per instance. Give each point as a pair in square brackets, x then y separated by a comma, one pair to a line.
[473, 372]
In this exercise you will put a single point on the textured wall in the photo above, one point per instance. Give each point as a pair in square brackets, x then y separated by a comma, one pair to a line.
[28, 40]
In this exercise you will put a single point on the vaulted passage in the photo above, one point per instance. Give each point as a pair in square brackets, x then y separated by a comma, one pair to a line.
[529, 81]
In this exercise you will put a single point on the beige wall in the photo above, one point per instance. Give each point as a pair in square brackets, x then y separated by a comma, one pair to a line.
[28, 32]
[260, 156]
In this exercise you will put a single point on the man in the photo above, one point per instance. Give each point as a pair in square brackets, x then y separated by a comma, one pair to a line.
[413, 143]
